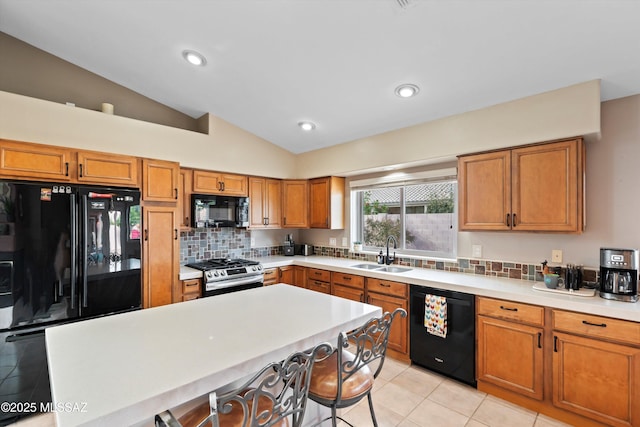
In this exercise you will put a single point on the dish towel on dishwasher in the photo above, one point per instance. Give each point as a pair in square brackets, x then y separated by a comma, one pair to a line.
[435, 315]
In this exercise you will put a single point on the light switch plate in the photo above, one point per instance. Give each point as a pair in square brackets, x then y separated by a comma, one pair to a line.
[332, 241]
[345, 242]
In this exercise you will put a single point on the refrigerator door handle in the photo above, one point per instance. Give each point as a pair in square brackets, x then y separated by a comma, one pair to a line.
[83, 253]
[74, 248]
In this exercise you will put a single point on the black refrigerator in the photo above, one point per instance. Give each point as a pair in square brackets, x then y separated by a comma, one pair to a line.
[67, 253]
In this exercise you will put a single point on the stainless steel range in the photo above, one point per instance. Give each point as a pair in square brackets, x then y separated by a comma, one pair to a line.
[224, 275]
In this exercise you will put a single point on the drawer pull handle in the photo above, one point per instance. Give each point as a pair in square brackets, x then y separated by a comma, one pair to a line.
[385, 285]
[502, 307]
[346, 278]
[508, 220]
[555, 344]
[600, 325]
[437, 359]
[191, 284]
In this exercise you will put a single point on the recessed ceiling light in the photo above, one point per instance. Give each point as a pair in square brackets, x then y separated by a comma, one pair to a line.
[407, 90]
[194, 58]
[307, 126]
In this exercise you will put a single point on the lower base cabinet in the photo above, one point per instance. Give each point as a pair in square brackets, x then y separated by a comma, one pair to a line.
[389, 296]
[160, 247]
[287, 275]
[187, 290]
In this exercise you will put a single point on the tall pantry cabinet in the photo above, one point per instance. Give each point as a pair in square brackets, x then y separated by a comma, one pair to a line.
[160, 236]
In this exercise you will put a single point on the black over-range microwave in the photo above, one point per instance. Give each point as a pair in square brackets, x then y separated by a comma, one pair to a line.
[219, 211]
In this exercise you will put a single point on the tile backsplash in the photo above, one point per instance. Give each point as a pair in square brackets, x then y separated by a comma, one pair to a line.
[204, 243]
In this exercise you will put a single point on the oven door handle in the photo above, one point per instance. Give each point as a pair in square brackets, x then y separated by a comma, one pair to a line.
[258, 278]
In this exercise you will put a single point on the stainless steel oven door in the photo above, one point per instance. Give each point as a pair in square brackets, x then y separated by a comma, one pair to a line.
[232, 285]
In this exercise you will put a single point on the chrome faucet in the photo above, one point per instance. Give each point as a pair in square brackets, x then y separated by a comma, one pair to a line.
[389, 260]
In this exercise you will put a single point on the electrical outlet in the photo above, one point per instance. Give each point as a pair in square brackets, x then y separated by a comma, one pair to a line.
[332, 241]
[476, 251]
[345, 242]
[253, 242]
[556, 256]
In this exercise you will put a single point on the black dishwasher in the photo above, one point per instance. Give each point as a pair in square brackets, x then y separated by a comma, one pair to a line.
[453, 356]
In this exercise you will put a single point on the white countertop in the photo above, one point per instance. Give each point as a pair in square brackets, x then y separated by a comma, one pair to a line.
[495, 287]
[123, 369]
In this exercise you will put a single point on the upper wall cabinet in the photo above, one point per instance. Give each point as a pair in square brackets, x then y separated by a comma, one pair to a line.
[326, 198]
[184, 200]
[160, 181]
[532, 188]
[104, 168]
[206, 182]
[50, 163]
[265, 202]
[295, 203]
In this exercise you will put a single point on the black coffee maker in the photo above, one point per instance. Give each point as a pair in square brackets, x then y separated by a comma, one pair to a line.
[619, 274]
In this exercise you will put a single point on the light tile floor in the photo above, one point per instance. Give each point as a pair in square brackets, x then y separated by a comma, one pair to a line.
[410, 396]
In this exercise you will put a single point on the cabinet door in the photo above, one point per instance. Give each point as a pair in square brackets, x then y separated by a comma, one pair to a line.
[300, 276]
[510, 355]
[257, 202]
[484, 191]
[24, 160]
[185, 182]
[101, 168]
[189, 290]
[160, 181]
[400, 327]
[271, 276]
[597, 379]
[160, 256]
[206, 182]
[234, 185]
[547, 185]
[348, 292]
[273, 205]
[326, 208]
[295, 201]
[318, 286]
[287, 275]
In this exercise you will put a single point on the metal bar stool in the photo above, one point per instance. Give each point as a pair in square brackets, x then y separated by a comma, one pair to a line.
[275, 394]
[346, 377]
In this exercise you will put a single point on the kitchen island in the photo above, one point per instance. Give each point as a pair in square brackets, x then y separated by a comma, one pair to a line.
[123, 369]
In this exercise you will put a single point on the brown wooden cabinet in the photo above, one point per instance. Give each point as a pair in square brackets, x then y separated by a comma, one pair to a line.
[533, 188]
[510, 338]
[208, 182]
[265, 205]
[271, 276]
[295, 204]
[26, 160]
[185, 183]
[319, 280]
[49, 163]
[348, 286]
[287, 274]
[326, 197]
[102, 168]
[187, 290]
[596, 367]
[390, 295]
[160, 181]
[160, 248]
[300, 276]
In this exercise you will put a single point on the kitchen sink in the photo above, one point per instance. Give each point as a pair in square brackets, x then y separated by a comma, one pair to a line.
[366, 266]
[385, 268]
[390, 269]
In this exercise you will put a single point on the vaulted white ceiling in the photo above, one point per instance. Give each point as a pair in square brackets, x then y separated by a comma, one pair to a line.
[271, 64]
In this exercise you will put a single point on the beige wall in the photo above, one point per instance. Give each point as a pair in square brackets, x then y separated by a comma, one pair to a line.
[566, 112]
[612, 202]
[226, 148]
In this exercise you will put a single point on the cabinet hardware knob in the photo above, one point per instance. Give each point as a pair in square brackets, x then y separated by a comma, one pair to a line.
[80, 166]
[176, 193]
[66, 165]
[502, 307]
[600, 325]
[175, 233]
[508, 220]
[146, 234]
[385, 285]
[555, 344]
[346, 277]
[514, 220]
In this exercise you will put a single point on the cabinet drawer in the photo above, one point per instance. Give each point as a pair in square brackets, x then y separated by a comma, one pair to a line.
[271, 276]
[322, 275]
[387, 287]
[191, 286]
[515, 311]
[319, 286]
[345, 279]
[597, 326]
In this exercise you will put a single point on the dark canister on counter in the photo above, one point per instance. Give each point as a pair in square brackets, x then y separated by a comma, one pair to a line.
[573, 277]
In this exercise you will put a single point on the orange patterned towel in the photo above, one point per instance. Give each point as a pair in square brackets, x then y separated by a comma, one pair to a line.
[435, 315]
